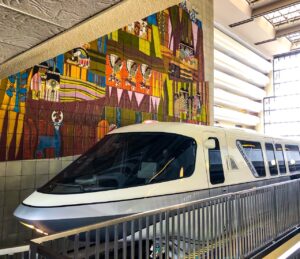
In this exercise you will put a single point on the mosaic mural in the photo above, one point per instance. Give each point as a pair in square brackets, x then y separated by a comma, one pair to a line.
[150, 69]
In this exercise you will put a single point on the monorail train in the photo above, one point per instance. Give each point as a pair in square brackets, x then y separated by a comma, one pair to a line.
[152, 165]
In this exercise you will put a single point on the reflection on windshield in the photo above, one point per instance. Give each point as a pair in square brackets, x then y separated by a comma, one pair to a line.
[127, 160]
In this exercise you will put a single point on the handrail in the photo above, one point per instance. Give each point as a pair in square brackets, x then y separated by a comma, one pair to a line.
[14, 250]
[112, 222]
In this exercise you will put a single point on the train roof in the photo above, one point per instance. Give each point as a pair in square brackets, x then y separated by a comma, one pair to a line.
[187, 129]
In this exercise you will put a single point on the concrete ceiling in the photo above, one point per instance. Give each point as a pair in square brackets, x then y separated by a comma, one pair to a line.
[27, 23]
[247, 21]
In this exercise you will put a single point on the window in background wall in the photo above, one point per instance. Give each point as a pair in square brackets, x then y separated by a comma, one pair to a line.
[281, 111]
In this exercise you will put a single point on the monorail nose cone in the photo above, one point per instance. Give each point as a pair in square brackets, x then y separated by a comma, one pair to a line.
[19, 212]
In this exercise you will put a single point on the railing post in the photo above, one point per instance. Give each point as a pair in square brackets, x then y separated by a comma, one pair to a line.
[32, 250]
[275, 211]
[298, 200]
[238, 226]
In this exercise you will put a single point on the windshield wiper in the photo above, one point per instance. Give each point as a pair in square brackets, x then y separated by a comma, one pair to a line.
[161, 170]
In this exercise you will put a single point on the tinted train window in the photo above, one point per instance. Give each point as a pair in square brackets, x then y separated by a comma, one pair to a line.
[293, 156]
[127, 160]
[252, 153]
[280, 158]
[271, 159]
[216, 172]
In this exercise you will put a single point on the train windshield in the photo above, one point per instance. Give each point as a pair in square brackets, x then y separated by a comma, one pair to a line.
[127, 160]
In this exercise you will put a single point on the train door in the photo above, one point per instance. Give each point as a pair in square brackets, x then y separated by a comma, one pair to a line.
[215, 152]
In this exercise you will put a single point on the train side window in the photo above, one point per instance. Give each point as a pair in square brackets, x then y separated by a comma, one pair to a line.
[293, 156]
[271, 159]
[280, 158]
[216, 171]
[252, 153]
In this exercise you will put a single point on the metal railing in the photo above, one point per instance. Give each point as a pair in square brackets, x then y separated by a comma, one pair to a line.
[228, 226]
[19, 252]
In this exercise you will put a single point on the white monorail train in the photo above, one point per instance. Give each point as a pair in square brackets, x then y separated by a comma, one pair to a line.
[152, 165]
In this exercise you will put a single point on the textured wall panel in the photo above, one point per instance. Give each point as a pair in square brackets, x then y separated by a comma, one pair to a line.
[63, 13]
[22, 30]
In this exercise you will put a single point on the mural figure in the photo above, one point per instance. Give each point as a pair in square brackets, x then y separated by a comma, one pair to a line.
[45, 83]
[146, 72]
[51, 141]
[13, 106]
[80, 57]
[116, 64]
[132, 69]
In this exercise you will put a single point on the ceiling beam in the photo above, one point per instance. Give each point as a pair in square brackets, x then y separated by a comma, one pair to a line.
[287, 30]
[265, 9]
[271, 7]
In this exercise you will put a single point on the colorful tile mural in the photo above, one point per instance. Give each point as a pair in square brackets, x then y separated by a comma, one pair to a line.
[150, 69]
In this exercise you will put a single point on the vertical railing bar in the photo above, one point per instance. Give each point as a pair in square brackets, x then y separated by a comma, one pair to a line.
[87, 244]
[132, 246]
[243, 227]
[33, 250]
[222, 229]
[230, 227]
[140, 239]
[64, 249]
[237, 227]
[248, 220]
[184, 231]
[178, 234]
[106, 243]
[260, 218]
[147, 237]
[161, 235]
[154, 236]
[173, 235]
[167, 233]
[213, 227]
[269, 216]
[97, 244]
[194, 229]
[263, 217]
[256, 223]
[200, 228]
[207, 228]
[76, 244]
[217, 229]
[116, 237]
[275, 211]
[124, 247]
[189, 230]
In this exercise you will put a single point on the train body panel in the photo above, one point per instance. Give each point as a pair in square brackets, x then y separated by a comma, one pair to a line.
[207, 161]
